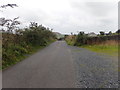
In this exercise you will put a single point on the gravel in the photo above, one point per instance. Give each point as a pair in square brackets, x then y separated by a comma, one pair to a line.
[94, 70]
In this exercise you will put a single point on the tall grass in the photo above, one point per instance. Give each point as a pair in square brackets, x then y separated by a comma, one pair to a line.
[70, 39]
[98, 44]
[109, 47]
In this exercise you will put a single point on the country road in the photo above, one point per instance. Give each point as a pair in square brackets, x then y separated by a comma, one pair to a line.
[63, 66]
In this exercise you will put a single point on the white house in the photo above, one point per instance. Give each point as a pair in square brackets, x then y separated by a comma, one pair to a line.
[92, 34]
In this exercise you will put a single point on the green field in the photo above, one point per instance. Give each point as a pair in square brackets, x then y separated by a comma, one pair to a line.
[107, 49]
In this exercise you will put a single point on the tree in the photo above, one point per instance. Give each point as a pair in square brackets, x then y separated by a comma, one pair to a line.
[102, 33]
[9, 5]
[9, 23]
[3, 21]
[81, 39]
[110, 33]
[37, 34]
[33, 24]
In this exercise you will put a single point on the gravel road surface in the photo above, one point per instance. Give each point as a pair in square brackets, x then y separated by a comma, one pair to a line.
[63, 66]
[94, 70]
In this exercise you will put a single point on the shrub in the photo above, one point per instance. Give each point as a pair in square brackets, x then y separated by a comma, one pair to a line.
[20, 50]
[81, 39]
[17, 45]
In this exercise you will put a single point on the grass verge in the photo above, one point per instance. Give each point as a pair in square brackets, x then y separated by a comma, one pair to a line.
[24, 56]
[111, 50]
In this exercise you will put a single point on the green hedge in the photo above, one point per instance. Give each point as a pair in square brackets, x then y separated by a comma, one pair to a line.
[16, 46]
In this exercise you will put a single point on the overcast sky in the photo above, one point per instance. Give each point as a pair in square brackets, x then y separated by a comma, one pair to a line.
[66, 16]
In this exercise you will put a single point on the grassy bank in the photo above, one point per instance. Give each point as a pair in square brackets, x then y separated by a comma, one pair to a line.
[19, 45]
[19, 57]
[109, 47]
[111, 50]
[70, 40]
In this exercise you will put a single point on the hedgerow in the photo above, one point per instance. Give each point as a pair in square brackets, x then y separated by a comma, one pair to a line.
[16, 45]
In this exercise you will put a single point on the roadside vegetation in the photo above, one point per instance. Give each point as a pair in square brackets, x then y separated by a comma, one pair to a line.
[102, 43]
[70, 39]
[19, 43]
[104, 48]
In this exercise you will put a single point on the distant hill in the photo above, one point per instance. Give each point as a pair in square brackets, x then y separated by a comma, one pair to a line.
[58, 35]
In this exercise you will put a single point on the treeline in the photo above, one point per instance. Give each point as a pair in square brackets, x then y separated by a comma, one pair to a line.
[18, 43]
[102, 39]
[84, 39]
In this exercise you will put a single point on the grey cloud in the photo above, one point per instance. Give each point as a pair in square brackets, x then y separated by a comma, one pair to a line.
[100, 8]
[86, 16]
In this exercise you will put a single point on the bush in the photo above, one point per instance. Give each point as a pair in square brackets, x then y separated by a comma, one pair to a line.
[81, 39]
[20, 50]
[17, 45]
